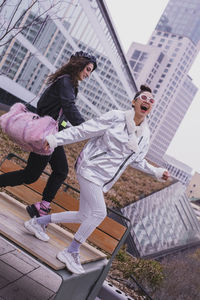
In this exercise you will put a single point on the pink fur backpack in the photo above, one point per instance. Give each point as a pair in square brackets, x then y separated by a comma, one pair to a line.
[28, 129]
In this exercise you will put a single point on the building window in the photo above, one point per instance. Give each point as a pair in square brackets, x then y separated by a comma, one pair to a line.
[132, 63]
[136, 54]
[138, 67]
[160, 58]
[143, 56]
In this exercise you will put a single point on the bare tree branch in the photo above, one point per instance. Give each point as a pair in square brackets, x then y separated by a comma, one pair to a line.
[2, 5]
[7, 28]
[10, 31]
[16, 9]
[14, 26]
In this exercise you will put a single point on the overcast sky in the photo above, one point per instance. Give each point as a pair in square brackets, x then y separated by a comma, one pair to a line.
[135, 21]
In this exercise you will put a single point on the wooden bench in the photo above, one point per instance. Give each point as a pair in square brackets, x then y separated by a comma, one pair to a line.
[109, 236]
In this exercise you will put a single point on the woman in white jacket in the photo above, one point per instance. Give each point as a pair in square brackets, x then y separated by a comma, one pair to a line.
[117, 139]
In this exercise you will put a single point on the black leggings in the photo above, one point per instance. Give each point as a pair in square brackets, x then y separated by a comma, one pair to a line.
[34, 168]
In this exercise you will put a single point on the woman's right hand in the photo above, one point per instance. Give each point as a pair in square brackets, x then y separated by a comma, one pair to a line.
[46, 145]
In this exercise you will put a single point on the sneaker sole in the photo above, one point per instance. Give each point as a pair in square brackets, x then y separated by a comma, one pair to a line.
[35, 233]
[68, 265]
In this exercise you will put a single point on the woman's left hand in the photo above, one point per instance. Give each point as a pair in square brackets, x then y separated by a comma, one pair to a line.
[165, 175]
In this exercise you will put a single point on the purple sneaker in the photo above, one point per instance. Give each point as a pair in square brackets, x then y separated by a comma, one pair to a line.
[39, 209]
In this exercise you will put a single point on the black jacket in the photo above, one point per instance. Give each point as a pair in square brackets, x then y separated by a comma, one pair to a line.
[61, 94]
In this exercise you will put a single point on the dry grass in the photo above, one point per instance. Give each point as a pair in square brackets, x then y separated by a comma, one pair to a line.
[182, 275]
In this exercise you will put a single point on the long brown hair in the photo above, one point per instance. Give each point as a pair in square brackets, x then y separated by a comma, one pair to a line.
[73, 68]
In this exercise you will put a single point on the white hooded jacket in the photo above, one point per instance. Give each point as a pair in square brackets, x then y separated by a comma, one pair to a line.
[115, 142]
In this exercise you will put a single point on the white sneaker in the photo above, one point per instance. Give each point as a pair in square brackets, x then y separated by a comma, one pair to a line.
[39, 232]
[71, 260]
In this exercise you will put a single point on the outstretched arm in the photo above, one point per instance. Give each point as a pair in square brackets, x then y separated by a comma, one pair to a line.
[143, 165]
[86, 130]
[160, 173]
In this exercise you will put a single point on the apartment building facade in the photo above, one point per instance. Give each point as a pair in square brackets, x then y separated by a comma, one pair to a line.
[45, 45]
[193, 188]
[168, 56]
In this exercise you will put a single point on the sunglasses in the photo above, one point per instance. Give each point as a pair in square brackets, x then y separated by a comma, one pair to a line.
[146, 98]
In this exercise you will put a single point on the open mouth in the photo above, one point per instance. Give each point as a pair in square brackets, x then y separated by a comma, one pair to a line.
[144, 108]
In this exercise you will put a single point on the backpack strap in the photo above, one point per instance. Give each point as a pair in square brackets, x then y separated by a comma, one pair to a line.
[60, 114]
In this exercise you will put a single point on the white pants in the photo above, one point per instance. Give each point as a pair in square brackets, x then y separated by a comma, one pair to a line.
[92, 210]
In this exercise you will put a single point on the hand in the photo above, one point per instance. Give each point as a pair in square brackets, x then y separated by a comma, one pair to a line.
[165, 175]
[46, 145]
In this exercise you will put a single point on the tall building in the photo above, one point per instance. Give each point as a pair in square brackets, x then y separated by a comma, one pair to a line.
[193, 188]
[48, 39]
[168, 56]
[181, 17]
[178, 169]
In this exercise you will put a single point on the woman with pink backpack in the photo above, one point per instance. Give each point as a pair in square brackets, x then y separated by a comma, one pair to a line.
[57, 99]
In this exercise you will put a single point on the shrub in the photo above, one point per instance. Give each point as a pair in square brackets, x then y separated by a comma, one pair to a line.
[182, 274]
[149, 273]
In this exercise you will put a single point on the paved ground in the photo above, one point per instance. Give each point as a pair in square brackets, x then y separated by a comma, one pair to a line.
[23, 278]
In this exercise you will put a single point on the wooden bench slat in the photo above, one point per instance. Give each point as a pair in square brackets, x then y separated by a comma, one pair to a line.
[110, 226]
[11, 225]
[27, 194]
[68, 202]
[97, 237]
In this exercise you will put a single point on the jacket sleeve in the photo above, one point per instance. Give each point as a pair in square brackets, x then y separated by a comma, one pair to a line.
[142, 165]
[148, 168]
[91, 128]
[67, 98]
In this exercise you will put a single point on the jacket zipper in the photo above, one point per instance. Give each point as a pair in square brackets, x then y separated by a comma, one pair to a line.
[120, 167]
[97, 155]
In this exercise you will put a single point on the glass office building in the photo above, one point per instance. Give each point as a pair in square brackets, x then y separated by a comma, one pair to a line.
[49, 37]
[168, 56]
[181, 17]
